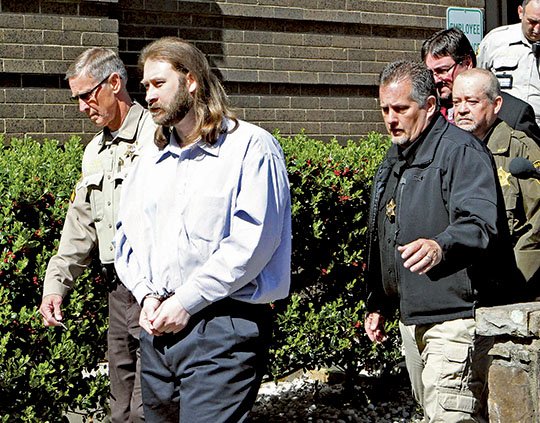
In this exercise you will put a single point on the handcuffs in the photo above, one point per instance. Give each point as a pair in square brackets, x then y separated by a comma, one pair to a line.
[160, 297]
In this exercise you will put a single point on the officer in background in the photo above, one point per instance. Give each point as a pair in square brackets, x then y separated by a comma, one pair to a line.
[512, 53]
[97, 80]
[447, 53]
[477, 101]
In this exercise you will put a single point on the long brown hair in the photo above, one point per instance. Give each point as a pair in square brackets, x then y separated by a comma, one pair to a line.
[210, 102]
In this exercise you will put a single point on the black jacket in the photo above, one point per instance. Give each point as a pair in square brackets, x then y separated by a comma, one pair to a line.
[519, 114]
[448, 192]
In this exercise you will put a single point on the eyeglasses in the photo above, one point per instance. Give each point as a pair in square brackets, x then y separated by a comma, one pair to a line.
[87, 95]
[443, 72]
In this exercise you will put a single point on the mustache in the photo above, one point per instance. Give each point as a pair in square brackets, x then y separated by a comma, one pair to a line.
[155, 106]
[440, 84]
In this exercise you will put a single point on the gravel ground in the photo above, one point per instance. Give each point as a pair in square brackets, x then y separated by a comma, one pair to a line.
[302, 399]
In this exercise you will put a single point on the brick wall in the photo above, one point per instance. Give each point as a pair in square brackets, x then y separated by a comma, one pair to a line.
[38, 40]
[287, 64]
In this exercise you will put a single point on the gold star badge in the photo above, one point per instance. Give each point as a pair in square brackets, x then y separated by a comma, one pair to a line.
[391, 210]
[503, 177]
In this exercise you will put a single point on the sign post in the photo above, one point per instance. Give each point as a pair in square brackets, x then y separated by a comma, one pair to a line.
[469, 20]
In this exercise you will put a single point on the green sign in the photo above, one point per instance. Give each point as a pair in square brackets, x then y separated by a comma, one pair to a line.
[469, 20]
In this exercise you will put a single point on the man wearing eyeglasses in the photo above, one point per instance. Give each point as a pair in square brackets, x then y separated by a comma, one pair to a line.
[97, 80]
[512, 53]
[448, 53]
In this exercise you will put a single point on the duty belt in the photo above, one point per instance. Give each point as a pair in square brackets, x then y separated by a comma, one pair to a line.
[109, 274]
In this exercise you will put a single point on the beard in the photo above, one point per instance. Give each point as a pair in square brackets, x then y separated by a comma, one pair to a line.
[466, 124]
[401, 141]
[171, 114]
[400, 138]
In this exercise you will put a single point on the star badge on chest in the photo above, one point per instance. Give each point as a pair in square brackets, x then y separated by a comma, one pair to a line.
[503, 177]
[391, 210]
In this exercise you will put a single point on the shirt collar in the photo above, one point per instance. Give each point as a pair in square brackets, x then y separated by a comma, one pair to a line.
[227, 126]
[128, 130]
[499, 138]
[173, 147]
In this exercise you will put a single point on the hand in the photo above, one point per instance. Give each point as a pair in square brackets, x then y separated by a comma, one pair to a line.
[170, 316]
[150, 306]
[51, 310]
[421, 255]
[374, 326]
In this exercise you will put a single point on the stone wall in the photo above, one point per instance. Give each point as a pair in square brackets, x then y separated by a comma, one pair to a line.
[514, 380]
[287, 64]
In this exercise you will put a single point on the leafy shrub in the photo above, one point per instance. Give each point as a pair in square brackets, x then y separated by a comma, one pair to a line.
[321, 323]
[43, 370]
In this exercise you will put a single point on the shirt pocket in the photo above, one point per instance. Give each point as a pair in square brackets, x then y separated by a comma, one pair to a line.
[505, 63]
[206, 219]
[94, 187]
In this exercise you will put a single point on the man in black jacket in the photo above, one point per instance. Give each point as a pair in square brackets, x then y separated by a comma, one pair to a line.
[439, 246]
[447, 53]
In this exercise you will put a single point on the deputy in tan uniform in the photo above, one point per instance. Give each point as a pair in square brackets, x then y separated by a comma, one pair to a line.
[97, 80]
[512, 52]
[477, 100]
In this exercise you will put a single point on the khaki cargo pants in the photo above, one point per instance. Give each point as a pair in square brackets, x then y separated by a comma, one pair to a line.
[448, 366]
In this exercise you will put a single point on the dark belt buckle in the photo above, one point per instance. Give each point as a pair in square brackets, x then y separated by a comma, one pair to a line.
[109, 274]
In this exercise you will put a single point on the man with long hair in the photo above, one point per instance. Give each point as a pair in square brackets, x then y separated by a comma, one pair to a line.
[203, 242]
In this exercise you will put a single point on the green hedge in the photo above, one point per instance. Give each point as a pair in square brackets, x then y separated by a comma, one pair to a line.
[41, 370]
[44, 372]
[321, 324]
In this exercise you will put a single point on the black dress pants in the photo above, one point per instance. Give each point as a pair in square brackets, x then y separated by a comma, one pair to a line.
[209, 372]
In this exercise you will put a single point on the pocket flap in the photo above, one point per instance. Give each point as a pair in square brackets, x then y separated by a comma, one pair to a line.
[93, 180]
[458, 402]
[457, 354]
[505, 63]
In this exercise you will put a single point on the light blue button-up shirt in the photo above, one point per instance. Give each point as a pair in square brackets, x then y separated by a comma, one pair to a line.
[208, 221]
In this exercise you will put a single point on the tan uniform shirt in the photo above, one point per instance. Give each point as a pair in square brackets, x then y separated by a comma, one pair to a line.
[508, 54]
[91, 217]
[521, 196]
